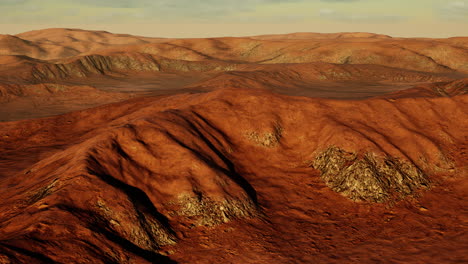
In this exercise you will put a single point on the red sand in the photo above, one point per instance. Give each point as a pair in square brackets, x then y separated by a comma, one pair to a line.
[218, 168]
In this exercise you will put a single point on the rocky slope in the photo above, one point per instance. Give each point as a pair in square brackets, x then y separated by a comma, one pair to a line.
[445, 89]
[58, 43]
[135, 181]
[196, 152]
[430, 55]
[340, 66]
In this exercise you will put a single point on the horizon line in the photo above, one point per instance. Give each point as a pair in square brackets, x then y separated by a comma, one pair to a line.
[229, 36]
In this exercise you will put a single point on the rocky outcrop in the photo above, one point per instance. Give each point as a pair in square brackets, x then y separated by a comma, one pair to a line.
[368, 177]
[94, 64]
[439, 89]
[121, 187]
[134, 180]
[119, 63]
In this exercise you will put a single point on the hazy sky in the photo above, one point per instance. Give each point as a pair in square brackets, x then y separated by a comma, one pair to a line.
[202, 18]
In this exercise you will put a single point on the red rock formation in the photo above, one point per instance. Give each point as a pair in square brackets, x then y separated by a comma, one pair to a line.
[208, 165]
[150, 177]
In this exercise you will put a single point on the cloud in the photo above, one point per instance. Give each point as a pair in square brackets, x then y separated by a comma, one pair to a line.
[12, 2]
[183, 11]
[339, 1]
[198, 11]
[133, 10]
[331, 14]
[137, 11]
[189, 4]
[455, 11]
[119, 3]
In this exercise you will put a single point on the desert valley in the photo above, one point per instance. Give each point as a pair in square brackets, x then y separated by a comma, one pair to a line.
[293, 148]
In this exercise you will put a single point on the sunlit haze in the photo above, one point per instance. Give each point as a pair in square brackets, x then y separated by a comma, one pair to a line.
[184, 18]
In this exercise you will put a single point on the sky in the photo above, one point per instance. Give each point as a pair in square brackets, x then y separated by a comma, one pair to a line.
[211, 18]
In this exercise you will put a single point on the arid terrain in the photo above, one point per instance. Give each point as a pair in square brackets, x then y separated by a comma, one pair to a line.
[295, 148]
